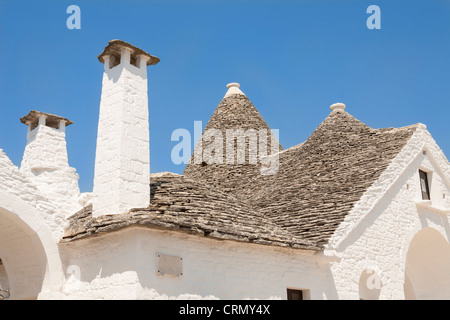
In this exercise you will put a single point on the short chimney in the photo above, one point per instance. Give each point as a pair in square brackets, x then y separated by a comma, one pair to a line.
[45, 160]
[122, 162]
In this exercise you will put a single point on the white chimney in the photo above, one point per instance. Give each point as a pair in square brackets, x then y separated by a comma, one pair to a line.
[45, 160]
[122, 162]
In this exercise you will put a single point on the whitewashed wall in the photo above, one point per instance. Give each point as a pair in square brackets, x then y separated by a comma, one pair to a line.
[122, 161]
[28, 236]
[124, 265]
[45, 163]
[378, 232]
[17, 184]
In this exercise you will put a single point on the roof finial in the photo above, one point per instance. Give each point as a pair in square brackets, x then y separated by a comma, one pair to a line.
[233, 84]
[337, 106]
[233, 88]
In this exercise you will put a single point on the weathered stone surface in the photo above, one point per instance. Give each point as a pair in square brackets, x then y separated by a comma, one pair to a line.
[301, 206]
[114, 47]
[52, 120]
[318, 181]
[182, 204]
[235, 112]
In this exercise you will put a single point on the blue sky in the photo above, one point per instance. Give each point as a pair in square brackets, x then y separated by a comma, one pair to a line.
[293, 60]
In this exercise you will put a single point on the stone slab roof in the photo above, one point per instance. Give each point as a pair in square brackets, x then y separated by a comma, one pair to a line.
[114, 47]
[317, 184]
[52, 120]
[319, 181]
[233, 112]
[185, 205]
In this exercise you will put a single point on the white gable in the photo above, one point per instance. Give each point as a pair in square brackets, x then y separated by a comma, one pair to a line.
[378, 232]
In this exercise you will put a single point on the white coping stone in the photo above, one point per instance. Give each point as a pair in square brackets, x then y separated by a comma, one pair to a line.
[233, 88]
[337, 106]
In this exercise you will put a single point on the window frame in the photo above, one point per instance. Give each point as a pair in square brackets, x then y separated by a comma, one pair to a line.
[424, 179]
[290, 292]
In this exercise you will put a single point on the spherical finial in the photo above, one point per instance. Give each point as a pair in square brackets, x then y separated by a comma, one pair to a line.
[337, 106]
[233, 84]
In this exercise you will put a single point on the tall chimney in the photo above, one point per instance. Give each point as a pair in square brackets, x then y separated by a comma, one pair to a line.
[45, 160]
[122, 162]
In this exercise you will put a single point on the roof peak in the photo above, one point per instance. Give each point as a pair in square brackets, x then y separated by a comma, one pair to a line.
[337, 106]
[233, 88]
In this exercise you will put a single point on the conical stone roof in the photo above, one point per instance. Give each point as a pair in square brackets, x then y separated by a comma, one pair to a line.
[319, 182]
[301, 205]
[234, 118]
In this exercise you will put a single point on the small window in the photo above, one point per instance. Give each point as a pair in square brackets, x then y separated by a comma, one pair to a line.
[294, 294]
[424, 186]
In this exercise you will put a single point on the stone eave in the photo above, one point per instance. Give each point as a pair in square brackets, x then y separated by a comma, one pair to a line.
[114, 47]
[33, 117]
[150, 218]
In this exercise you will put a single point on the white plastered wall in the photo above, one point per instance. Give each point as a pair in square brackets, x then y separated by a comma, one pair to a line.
[123, 265]
[45, 163]
[377, 233]
[28, 236]
[122, 163]
[17, 184]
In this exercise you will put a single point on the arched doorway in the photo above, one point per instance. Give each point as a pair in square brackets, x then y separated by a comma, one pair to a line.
[30, 258]
[22, 256]
[427, 271]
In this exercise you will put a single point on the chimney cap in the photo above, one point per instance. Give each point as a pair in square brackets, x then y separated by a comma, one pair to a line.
[52, 120]
[114, 48]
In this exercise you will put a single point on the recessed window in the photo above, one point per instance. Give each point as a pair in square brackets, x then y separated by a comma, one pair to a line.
[295, 294]
[424, 186]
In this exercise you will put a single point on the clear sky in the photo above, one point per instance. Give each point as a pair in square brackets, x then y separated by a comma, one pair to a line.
[293, 60]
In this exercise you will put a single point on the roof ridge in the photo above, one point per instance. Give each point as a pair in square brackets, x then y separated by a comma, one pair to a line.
[394, 129]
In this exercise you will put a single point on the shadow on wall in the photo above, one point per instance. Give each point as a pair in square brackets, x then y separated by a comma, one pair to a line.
[24, 261]
[4, 283]
[427, 273]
